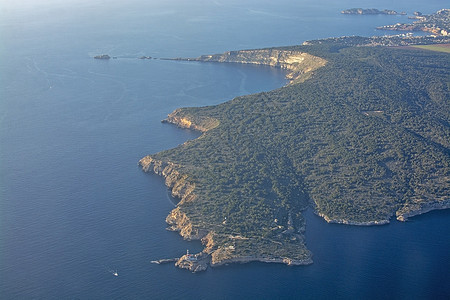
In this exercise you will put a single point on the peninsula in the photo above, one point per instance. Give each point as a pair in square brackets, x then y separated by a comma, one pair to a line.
[360, 135]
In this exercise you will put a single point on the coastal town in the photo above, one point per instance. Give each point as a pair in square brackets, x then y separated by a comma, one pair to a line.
[436, 24]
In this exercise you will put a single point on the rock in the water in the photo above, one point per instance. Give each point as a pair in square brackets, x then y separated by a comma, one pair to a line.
[103, 56]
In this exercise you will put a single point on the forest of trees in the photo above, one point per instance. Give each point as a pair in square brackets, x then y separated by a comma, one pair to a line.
[364, 136]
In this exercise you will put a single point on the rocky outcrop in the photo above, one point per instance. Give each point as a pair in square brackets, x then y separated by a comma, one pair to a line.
[181, 188]
[411, 210]
[200, 261]
[217, 253]
[178, 221]
[194, 262]
[179, 184]
[200, 123]
[295, 62]
[103, 56]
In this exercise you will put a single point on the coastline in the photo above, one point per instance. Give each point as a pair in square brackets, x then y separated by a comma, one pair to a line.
[184, 189]
[279, 260]
[177, 220]
[213, 254]
[277, 242]
[402, 214]
[407, 212]
[348, 222]
[298, 64]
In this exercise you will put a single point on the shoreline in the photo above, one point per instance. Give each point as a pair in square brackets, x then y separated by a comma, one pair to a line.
[276, 242]
[182, 189]
[400, 216]
[423, 209]
[178, 221]
[298, 64]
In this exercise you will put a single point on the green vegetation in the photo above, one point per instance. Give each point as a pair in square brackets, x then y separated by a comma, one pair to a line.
[439, 48]
[366, 135]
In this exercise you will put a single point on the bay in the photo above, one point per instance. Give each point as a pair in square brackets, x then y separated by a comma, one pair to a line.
[74, 206]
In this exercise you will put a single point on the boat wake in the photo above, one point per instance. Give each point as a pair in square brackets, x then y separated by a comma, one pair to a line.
[112, 271]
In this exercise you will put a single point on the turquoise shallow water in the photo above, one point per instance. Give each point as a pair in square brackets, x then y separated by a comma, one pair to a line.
[74, 206]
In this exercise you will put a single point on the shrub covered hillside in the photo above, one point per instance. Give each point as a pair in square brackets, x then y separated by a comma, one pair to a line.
[364, 138]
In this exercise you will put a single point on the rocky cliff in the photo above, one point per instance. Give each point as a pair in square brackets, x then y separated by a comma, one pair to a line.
[179, 184]
[181, 188]
[411, 210]
[220, 249]
[298, 64]
[180, 118]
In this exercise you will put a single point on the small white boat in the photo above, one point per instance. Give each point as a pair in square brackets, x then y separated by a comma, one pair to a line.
[115, 273]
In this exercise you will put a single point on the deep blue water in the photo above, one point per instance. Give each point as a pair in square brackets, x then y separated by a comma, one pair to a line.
[74, 206]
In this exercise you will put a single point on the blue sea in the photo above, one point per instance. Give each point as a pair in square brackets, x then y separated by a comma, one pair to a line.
[75, 207]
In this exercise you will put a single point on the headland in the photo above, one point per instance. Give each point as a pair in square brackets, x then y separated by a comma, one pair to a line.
[359, 134]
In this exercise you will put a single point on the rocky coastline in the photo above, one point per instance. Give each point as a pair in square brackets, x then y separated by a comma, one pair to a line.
[282, 241]
[417, 209]
[247, 259]
[401, 215]
[215, 254]
[349, 222]
[201, 124]
[298, 64]
[201, 261]
[181, 188]
[179, 184]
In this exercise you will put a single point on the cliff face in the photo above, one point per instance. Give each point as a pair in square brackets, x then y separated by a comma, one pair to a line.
[179, 221]
[297, 63]
[220, 249]
[183, 120]
[179, 184]
[182, 189]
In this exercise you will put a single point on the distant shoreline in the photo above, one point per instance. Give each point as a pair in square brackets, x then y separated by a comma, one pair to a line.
[371, 11]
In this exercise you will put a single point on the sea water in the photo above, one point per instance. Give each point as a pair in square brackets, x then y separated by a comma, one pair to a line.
[75, 207]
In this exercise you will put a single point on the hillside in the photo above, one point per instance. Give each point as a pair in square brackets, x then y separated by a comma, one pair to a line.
[363, 138]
